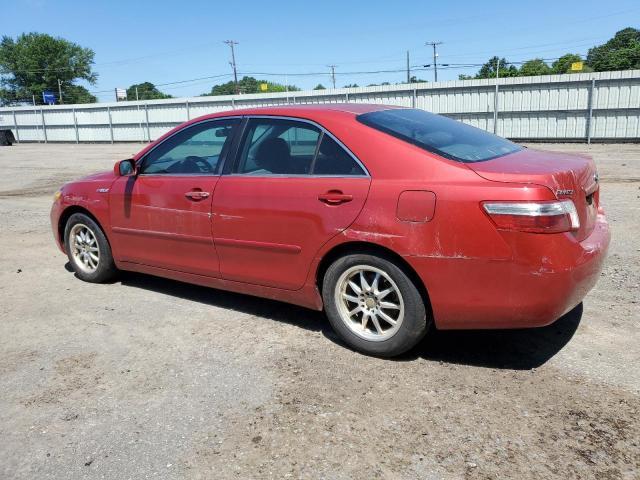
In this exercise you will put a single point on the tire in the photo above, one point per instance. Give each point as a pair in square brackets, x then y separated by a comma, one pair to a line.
[380, 337]
[88, 249]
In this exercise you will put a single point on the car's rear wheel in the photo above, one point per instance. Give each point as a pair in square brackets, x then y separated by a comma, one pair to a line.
[373, 305]
[88, 249]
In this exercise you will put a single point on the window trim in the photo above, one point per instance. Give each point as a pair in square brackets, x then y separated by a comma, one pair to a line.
[312, 167]
[221, 161]
[323, 131]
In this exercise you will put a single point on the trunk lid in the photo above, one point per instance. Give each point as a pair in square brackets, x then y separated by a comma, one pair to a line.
[567, 176]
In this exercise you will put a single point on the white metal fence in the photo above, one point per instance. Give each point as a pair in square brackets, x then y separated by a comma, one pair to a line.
[588, 107]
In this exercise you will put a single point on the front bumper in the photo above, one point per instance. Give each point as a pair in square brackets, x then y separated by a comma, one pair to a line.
[547, 276]
[56, 211]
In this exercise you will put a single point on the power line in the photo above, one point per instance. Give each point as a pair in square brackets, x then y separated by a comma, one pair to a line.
[64, 89]
[415, 68]
[520, 50]
[519, 29]
[562, 22]
[378, 60]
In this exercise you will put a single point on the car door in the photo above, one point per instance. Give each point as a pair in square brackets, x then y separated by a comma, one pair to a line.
[162, 216]
[292, 188]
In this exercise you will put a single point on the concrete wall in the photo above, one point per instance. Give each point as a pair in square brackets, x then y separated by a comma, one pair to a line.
[578, 107]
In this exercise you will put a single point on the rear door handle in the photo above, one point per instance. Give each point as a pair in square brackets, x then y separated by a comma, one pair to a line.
[335, 197]
[196, 195]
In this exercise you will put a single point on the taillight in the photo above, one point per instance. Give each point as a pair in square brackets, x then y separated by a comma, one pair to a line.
[534, 217]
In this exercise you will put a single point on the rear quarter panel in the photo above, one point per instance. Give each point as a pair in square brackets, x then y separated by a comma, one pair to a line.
[459, 234]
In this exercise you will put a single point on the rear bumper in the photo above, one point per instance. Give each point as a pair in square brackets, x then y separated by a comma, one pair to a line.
[547, 276]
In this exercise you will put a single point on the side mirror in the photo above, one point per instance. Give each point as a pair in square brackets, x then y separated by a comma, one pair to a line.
[125, 168]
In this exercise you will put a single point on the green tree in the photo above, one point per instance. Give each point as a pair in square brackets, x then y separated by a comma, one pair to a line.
[415, 79]
[563, 64]
[488, 70]
[351, 85]
[622, 52]
[34, 62]
[77, 94]
[250, 85]
[319, 87]
[537, 66]
[146, 91]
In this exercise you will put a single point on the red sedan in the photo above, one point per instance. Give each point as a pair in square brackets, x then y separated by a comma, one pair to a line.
[389, 219]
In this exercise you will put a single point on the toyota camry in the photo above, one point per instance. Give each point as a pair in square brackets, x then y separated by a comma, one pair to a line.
[391, 220]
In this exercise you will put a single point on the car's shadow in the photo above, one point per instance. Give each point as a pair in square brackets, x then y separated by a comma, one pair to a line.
[521, 349]
[261, 307]
[504, 349]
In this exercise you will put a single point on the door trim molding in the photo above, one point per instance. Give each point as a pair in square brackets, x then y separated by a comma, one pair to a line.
[276, 247]
[163, 235]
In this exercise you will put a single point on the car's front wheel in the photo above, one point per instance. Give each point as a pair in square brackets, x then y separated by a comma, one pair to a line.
[373, 305]
[88, 249]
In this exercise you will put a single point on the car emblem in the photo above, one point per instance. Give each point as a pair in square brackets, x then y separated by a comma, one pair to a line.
[102, 190]
[564, 192]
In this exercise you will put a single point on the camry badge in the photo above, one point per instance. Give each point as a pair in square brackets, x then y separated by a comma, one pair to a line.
[102, 190]
[564, 192]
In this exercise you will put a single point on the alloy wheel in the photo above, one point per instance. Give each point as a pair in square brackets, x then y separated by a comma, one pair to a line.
[369, 302]
[84, 248]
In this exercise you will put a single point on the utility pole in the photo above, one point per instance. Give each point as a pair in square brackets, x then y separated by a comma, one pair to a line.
[139, 117]
[495, 98]
[435, 55]
[231, 44]
[60, 90]
[408, 69]
[333, 75]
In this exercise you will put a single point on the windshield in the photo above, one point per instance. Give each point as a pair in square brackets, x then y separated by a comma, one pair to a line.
[449, 138]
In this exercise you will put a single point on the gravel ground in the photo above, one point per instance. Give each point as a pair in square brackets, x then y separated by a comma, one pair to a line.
[150, 378]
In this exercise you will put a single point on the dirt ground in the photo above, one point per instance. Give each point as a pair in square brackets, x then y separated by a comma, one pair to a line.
[150, 378]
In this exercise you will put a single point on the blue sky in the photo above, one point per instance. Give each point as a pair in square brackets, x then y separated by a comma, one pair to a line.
[164, 42]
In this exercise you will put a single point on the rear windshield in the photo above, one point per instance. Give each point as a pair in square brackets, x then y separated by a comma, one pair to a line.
[441, 135]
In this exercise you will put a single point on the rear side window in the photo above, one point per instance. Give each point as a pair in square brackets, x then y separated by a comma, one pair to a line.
[443, 136]
[332, 159]
[278, 147]
[290, 147]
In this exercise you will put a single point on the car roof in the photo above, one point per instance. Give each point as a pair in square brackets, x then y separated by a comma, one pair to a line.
[320, 112]
[305, 110]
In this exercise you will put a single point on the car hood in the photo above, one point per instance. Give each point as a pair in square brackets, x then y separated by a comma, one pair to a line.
[98, 177]
[95, 180]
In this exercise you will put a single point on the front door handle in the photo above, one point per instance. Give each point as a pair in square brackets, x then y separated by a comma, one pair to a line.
[334, 197]
[196, 195]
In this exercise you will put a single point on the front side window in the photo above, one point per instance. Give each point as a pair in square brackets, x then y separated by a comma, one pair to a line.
[289, 147]
[195, 150]
[443, 136]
